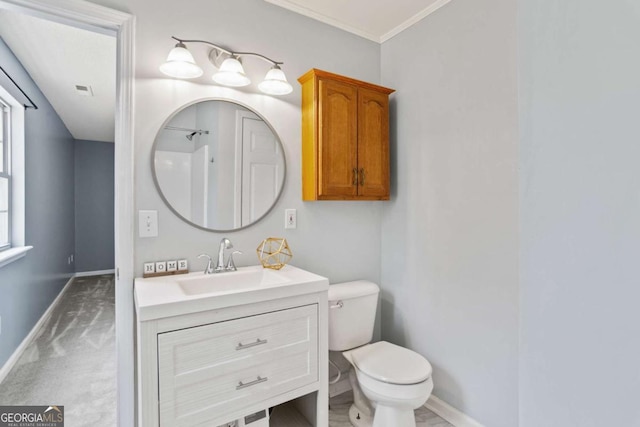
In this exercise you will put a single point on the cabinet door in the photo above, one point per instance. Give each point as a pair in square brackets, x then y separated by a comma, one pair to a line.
[373, 144]
[338, 109]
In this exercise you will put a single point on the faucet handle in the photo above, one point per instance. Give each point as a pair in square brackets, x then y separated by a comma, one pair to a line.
[231, 266]
[208, 269]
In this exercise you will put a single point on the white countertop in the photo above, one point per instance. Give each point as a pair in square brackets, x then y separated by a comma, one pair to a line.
[160, 297]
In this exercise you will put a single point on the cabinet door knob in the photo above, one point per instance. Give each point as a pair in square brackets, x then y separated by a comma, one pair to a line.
[355, 176]
[362, 176]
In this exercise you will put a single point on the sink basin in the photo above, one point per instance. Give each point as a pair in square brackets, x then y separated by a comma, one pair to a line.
[174, 295]
[231, 281]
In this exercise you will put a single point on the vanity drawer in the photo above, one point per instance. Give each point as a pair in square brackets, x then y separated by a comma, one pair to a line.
[208, 371]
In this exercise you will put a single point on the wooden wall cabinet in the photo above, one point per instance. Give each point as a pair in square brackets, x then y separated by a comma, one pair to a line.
[345, 138]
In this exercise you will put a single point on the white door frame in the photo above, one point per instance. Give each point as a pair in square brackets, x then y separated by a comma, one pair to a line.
[93, 17]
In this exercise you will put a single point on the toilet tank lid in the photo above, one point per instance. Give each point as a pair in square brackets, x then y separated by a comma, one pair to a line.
[355, 289]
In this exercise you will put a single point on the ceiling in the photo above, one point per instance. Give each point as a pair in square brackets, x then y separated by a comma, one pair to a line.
[376, 20]
[59, 57]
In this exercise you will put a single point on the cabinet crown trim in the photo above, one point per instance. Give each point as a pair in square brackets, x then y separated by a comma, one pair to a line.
[314, 72]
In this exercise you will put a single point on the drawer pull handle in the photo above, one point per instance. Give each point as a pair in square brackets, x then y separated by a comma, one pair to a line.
[258, 380]
[241, 346]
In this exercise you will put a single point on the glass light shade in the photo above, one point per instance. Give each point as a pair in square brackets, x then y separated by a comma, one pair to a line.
[180, 64]
[275, 83]
[231, 73]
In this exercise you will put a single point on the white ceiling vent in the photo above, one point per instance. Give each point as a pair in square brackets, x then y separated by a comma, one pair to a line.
[84, 90]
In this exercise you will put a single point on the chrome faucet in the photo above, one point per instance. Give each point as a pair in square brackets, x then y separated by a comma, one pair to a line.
[224, 244]
[220, 267]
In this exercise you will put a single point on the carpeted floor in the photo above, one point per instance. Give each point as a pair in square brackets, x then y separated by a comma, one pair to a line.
[72, 361]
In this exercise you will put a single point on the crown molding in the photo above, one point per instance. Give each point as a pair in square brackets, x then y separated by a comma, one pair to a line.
[294, 7]
[286, 4]
[413, 20]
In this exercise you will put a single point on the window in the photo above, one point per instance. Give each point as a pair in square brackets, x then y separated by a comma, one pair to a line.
[12, 182]
[5, 176]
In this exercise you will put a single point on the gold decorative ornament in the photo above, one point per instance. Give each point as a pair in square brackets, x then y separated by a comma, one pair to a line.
[274, 253]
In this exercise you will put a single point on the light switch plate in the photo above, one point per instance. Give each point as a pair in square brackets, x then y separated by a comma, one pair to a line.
[148, 223]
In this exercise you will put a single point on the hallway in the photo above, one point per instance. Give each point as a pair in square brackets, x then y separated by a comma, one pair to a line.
[72, 360]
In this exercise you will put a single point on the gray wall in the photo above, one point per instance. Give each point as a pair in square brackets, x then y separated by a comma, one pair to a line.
[580, 213]
[29, 285]
[449, 234]
[94, 207]
[319, 242]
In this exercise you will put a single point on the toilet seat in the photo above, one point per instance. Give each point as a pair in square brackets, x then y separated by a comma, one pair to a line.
[392, 364]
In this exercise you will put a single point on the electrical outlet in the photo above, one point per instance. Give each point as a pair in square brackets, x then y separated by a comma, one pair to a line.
[290, 218]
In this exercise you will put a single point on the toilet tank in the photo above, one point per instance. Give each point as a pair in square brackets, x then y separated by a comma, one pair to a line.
[352, 314]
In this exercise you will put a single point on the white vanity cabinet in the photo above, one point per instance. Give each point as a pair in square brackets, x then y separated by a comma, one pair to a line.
[218, 368]
[208, 363]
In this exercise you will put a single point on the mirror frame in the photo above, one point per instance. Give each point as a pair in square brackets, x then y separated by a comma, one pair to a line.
[157, 184]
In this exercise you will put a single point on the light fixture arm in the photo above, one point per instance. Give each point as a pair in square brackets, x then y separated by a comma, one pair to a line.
[264, 58]
[229, 52]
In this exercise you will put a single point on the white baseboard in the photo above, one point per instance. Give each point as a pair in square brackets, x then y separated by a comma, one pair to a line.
[94, 273]
[9, 364]
[451, 414]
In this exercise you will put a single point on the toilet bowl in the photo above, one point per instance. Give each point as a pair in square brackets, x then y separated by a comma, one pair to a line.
[395, 380]
[389, 382]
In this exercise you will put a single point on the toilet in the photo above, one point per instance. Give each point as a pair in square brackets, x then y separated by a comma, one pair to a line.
[389, 382]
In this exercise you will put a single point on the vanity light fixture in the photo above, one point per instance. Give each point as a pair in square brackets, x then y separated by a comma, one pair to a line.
[180, 64]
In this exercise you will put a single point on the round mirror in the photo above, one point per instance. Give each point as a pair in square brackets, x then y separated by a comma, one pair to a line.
[218, 165]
